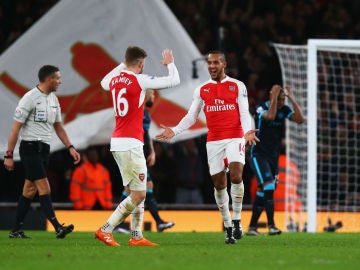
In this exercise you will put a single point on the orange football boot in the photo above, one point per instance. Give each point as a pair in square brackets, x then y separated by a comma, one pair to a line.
[141, 242]
[107, 238]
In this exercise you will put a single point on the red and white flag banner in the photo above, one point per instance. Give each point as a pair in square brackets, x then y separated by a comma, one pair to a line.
[86, 39]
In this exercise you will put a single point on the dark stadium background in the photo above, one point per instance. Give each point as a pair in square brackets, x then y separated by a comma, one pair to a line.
[242, 29]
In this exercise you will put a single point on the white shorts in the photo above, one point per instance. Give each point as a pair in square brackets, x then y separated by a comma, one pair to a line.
[132, 165]
[223, 152]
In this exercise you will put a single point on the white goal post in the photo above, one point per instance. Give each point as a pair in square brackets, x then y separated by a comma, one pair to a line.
[325, 78]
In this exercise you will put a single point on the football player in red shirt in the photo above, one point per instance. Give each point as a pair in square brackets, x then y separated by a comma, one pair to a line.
[225, 104]
[128, 87]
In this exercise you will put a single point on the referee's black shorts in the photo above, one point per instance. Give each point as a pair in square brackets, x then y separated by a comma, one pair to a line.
[35, 158]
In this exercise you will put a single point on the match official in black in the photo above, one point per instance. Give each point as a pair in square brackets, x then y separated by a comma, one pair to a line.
[270, 122]
[37, 112]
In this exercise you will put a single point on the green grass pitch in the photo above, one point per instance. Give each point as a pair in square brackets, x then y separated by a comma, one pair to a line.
[182, 251]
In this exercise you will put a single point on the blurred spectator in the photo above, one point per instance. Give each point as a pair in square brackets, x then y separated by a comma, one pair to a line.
[189, 173]
[16, 16]
[164, 172]
[90, 184]
[59, 173]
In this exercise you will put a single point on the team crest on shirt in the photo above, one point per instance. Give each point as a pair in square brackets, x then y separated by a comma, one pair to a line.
[231, 88]
[142, 176]
[18, 114]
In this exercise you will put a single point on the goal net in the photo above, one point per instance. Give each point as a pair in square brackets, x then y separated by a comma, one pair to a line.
[325, 78]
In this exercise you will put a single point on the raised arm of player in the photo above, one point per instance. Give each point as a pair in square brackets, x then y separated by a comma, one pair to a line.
[105, 82]
[270, 114]
[297, 117]
[171, 80]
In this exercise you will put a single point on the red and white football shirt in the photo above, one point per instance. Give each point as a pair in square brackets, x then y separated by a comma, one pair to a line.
[127, 91]
[225, 105]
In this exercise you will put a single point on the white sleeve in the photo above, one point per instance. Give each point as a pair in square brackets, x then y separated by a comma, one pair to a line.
[24, 108]
[190, 118]
[151, 82]
[58, 117]
[243, 104]
[105, 82]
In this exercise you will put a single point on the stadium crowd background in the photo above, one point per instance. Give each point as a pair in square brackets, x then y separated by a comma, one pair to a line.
[243, 30]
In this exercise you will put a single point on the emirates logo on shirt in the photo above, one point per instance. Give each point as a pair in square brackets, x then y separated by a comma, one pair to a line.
[219, 106]
[142, 176]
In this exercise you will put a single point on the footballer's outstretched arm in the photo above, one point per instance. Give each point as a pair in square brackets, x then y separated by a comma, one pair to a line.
[186, 122]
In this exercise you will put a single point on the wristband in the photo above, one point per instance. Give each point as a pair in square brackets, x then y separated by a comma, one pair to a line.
[9, 154]
[71, 146]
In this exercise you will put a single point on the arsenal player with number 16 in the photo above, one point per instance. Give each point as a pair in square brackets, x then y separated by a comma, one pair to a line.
[127, 86]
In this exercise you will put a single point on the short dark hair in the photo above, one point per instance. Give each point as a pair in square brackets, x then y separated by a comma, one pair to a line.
[217, 52]
[46, 71]
[133, 55]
